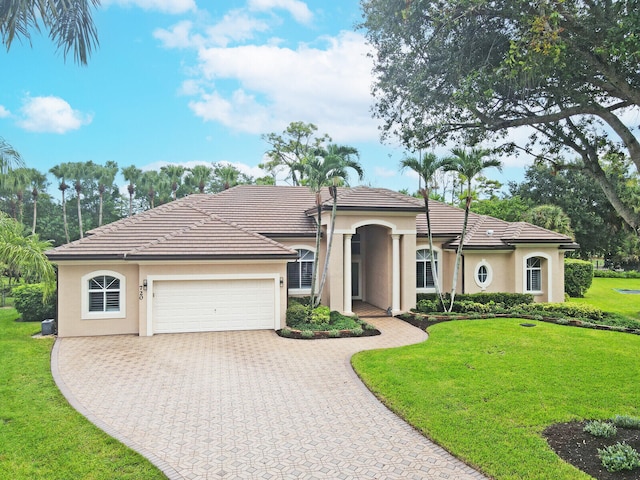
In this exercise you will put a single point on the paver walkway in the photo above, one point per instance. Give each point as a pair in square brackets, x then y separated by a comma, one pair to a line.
[248, 405]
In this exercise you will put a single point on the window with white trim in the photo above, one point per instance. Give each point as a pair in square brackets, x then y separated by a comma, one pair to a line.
[424, 275]
[534, 274]
[299, 273]
[104, 294]
[483, 274]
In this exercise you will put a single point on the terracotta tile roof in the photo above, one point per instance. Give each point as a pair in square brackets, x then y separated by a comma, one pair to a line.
[243, 222]
[175, 230]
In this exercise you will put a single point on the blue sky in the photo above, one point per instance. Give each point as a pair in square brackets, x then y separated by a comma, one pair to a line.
[188, 82]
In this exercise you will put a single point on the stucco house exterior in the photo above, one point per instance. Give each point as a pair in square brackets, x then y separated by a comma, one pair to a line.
[230, 261]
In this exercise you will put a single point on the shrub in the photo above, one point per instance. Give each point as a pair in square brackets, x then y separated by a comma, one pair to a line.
[297, 313]
[625, 421]
[508, 300]
[620, 456]
[320, 315]
[578, 275]
[307, 334]
[598, 428]
[285, 332]
[334, 333]
[572, 310]
[427, 306]
[467, 306]
[30, 304]
[614, 274]
[368, 326]
[356, 332]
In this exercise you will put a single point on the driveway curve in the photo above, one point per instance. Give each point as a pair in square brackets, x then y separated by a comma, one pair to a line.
[252, 405]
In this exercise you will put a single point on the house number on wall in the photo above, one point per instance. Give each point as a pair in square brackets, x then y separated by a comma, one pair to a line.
[141, 295]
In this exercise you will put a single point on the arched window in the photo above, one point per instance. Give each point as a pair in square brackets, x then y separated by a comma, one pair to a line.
[299, 272]
[424, 275]
[534, 274]
[103, 295]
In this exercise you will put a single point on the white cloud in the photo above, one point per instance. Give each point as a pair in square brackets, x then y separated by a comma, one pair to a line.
[165, 6]
[178, 36]
[235, 26]
[51, 114]
[275, 85]
[296, 8]
[4, 113]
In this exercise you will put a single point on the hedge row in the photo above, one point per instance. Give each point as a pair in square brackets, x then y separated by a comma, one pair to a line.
[615, 274]
[506, 299]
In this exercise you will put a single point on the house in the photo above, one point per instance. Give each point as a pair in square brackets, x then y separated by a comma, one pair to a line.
[230, 261]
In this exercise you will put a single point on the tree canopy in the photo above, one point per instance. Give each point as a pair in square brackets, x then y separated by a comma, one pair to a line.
[472, 70]
[69, 23]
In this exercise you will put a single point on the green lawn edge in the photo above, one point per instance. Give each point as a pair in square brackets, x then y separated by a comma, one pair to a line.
[485, 390]
[41, 435]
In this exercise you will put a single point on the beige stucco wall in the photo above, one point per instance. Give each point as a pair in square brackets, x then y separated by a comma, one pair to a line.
[507, 270]
[377, 262]
[70, 322]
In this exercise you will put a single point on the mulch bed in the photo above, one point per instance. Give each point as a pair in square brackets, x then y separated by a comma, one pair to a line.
[297, 334]
[580, 448]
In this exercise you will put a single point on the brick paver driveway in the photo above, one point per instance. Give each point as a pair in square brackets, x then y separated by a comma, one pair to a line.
[248, 405]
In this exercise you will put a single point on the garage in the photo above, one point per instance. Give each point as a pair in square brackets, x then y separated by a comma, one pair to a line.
[213, 305]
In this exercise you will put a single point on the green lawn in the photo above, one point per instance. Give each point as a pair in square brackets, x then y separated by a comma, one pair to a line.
[41, 436]
[603, 295]
[486, 389]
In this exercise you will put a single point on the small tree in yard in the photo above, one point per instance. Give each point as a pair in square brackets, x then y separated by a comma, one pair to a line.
[468, 164]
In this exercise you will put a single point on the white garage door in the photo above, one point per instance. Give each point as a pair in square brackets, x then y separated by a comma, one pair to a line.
[213, 305]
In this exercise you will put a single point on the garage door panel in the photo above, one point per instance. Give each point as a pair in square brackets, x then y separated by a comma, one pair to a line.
[213, 305]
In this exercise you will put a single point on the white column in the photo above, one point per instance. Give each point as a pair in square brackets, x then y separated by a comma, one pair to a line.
[395, 281]
[346, 274]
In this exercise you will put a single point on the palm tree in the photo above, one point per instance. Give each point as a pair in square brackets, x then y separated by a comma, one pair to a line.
[550, 217]
[326, 169]
[426, 167]
[38, 184]
[69, 23]
[151, 182]
[9, 159]
[131, 174]
[23, 255]
[17, 180]
[199, 177]
[80, 172]
[61, 172]
[343, 157]
[174, 173]
[105, 175]
[467, 164]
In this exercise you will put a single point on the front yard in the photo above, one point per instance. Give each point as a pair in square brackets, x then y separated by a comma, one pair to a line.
[486, 389]
[604, 295]
[41, 436]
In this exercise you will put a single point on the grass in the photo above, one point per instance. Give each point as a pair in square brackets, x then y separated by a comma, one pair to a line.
[486, 389]
[603, 295]
[41, 436]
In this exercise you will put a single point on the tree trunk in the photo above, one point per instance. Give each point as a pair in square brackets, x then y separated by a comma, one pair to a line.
[80, 216]
[325, 270]
[316, 258]
[35, 214]
[460, 246]
[64, 217]
[434, 273]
